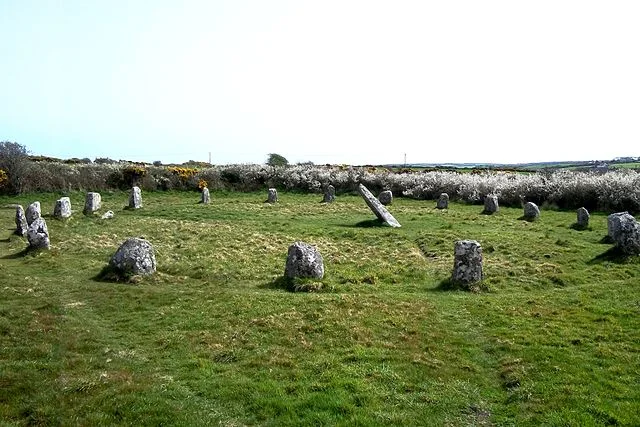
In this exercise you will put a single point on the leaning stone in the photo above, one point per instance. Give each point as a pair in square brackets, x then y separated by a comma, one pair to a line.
[582, 217]
[329, 194]
[62, 208]
[134, 257]
[92, 203]
[304, 261]
[33, 212]
[491, 204]
[135, 198]
[531, 211]
[21, 221]
[272, 196]
[443, 201]
[107, 215]
[205, 198]
[38, 234]
[467, 264]
[628, 235]
[614, 222]
[374, 204]
[386, 197]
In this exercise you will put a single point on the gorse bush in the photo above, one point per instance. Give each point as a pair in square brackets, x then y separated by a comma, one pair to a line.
[615, 190]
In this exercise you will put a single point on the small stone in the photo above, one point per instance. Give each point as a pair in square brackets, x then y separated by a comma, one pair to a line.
[272, 195]
[21, 221]
[386, 197]
[443, 201]
[582, 217]
[374, 204]
[33, 212]
[304, 261]
[135, 198]
[491, 204]
[329, 194]
[62, 208]
[92, 203]
[107, 215]
[205, 198]
[467, 264]
[134, 257]
[531, 211]
[38, 234]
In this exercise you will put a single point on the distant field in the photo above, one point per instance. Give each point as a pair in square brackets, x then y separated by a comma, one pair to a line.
[214, 338]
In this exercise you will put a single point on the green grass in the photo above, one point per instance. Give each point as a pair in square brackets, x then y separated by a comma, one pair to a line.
[213, 337]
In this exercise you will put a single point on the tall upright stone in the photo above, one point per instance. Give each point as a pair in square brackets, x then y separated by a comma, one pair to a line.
[33, 212]
[329, 194]
[62, 209]
[21, 221]
[531, 211]
[304, 261]
[628, 240]
[583, 216]
[92, 203]
[614, 223]
[378, 209]
[467, 263]
[272, 195]
[385, 197]
[443, 201]
[38, 234]
[205, 197]
[135, 198]
[491, 204]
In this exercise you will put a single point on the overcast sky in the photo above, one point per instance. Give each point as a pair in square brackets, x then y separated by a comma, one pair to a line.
[355, 82]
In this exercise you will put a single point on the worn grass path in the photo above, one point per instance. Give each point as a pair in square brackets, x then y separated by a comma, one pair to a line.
[213, 338]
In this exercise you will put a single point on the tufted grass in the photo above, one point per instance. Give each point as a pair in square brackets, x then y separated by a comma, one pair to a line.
[214, 338]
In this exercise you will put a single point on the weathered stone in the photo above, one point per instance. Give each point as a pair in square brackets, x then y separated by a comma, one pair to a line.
[135, 198]
[628, 235]
[582, 217]
[531, 211]
[467, 264]
[443, 201]
[272, 195]
[135, 256]
[107, 215]
[385, 197]
[374, 204]
[33, 212]
[205, 197]
[304, 261]
[491, 204]
[614, 221]
[38, 234]
[62, 208]
[21, 221]
[92, 203]
[329, 194]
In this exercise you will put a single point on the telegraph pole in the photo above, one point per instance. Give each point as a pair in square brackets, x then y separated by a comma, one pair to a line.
[405, 160]
[209, 157]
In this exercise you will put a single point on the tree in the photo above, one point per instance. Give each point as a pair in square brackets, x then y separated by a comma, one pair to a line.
[14, 160]
[277, 160]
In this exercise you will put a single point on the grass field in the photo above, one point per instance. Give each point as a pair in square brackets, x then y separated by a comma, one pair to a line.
[214, 339]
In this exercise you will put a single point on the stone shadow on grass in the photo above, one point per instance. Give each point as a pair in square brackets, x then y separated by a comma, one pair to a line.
[23, 253]
[368, 223]
[294, 285]
[448, 285]
[108, 274]
[614, 255]
[580, 227]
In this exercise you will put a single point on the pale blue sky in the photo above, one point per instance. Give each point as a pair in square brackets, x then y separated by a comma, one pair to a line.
[357, 82]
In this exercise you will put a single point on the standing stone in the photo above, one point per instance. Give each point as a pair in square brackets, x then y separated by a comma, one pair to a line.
[443, 201]
[135, 198]
[304, 261]
[205, 198]
[107, 215]
[38, 234]
[386, 197]
[92, 203]
[329, 194]
[33, 212]
[582, 217]
[135, 256]
[531, 211]
[21, 221]
[62, 208]
[374, 204]
[272, 196]
[629, 236]
[614, 222]
[491, 204]
[467, 264]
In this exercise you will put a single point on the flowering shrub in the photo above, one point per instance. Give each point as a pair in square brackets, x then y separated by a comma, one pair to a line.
[4, 178]
[202, 184]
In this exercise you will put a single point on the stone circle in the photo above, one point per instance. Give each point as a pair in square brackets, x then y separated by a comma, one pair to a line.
[491, 204]
[583, 216]
[467, 264]
[443, 201]
[385, 197]
[62, 208]
[304, 261]
[135, 198]
[21, 221]
[205, 197]
[33, 212]
[38, 234]
[531, 211]
[135, 256]
[92, 203]
[329, 194]
[378, 208]
[272, 195]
